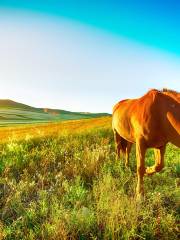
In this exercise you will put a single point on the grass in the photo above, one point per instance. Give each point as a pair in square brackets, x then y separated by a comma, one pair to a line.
[66, 183]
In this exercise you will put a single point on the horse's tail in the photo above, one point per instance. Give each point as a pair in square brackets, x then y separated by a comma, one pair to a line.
[124, 144]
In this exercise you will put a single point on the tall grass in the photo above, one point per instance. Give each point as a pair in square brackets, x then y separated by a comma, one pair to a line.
[70, 186]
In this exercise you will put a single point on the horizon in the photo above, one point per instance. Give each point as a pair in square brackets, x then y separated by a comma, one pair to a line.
[85, 57]
[44, 107]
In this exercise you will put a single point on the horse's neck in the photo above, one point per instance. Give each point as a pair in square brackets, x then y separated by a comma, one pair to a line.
[173, 117]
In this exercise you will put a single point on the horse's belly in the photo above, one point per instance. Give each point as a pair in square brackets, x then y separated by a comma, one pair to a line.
[155, 139]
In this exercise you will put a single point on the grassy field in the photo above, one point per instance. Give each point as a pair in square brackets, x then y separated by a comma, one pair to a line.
[62, 181]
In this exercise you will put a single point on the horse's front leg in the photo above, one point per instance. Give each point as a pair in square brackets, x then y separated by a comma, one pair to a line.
[140, 156]
[159, 161]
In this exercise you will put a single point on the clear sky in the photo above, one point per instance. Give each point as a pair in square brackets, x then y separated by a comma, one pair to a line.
[85, 55]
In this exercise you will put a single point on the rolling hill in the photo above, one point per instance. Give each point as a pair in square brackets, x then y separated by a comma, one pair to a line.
[12, 112]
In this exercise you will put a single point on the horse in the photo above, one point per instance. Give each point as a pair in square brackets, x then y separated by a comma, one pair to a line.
[122, 145]
[150, 121]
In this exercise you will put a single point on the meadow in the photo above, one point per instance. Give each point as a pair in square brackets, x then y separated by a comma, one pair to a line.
[63, 181]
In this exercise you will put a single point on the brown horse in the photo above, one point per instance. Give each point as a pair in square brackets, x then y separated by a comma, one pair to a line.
[151, 122]
[122, 145]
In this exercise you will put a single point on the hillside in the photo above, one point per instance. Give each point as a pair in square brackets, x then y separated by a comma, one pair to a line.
[12, 112]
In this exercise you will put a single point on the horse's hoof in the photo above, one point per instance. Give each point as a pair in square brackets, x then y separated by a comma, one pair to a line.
[140, 196]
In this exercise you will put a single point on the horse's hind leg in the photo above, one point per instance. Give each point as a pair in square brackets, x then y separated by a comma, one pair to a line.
[117, 139]
[128, 149]
[159, 161]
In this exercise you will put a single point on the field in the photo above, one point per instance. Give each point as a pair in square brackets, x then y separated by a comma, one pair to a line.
[63, 181]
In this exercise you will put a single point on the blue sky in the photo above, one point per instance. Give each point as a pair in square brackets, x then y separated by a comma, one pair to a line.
[86, 55]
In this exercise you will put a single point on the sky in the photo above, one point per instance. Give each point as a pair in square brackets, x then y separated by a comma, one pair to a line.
[87, 55]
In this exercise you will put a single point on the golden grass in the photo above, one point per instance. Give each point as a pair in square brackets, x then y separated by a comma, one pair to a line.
[42, 130]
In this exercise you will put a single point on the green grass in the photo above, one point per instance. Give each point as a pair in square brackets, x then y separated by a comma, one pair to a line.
[72, 187]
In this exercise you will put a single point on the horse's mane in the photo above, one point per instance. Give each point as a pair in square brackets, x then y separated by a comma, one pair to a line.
[170, 91]
[166, 91]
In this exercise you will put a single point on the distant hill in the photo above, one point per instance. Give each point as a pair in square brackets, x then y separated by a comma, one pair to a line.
[12, 112]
